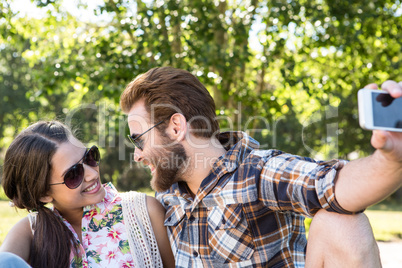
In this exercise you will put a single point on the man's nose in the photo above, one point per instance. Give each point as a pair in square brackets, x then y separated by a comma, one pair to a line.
[137, 155]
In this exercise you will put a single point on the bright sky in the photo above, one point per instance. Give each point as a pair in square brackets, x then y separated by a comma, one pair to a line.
[27, 8]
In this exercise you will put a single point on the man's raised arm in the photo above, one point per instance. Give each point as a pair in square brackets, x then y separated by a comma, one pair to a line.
[364, 182]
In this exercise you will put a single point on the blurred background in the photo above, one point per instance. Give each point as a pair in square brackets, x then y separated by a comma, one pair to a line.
[285, 71]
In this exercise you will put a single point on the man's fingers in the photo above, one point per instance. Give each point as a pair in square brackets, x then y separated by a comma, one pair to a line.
[372, 86]
[380, 140]
[393, 88]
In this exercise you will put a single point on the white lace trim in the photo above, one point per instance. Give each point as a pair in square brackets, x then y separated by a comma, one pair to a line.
[32, 216]
[141, 237]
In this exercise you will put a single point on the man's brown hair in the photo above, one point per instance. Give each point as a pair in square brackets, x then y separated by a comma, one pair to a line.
[166, 91]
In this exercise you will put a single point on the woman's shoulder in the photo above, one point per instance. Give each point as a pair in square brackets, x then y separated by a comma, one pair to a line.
[18, 239]
[154, 206]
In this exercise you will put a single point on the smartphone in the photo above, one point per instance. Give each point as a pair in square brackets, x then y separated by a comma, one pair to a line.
[378, 110]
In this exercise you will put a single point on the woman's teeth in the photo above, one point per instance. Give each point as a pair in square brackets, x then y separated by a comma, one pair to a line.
[91, 188]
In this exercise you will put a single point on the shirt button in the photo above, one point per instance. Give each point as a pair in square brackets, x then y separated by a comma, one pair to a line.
[195, 253]
[192, 218]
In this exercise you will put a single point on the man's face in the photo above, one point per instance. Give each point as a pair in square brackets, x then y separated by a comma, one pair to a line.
[166, 159]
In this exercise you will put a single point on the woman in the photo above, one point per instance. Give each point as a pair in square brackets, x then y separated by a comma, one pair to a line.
[90, 224]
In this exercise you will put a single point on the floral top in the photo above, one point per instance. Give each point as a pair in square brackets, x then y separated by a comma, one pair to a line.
[104, 237]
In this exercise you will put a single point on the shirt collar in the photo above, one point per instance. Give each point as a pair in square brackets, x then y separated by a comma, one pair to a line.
[238, 146]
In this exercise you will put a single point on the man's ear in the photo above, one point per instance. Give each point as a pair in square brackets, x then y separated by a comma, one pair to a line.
[177, 128]
[46, 199]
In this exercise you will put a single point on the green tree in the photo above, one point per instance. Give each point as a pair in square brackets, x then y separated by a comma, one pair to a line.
[286, 71]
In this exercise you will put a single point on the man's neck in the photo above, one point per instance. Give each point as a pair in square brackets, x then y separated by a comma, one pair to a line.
[202, 154]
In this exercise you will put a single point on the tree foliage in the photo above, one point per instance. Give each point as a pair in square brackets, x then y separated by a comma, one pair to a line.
[287, 71]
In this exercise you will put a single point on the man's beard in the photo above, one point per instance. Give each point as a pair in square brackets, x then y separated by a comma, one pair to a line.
[170, 163]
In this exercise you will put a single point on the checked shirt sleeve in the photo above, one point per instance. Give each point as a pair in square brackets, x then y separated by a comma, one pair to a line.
[299, 184]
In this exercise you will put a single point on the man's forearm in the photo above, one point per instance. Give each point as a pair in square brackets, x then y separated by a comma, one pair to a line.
[364, 182]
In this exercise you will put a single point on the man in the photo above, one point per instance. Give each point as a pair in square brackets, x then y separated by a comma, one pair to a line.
[231, 205]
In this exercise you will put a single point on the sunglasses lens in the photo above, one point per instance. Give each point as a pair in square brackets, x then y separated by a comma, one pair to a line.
[92, 157]
[137, 142]
[74, 176]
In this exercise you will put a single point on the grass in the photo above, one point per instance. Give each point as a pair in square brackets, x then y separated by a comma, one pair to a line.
[2, 194]
[8, 217]
[385, 219]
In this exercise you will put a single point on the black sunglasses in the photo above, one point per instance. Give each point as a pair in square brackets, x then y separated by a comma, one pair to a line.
[136, 139]
[75, 174]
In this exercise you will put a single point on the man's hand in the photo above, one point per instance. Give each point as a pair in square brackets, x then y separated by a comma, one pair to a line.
[366, 181]
[388, 144]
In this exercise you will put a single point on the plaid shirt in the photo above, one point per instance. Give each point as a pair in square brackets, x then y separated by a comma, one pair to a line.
[249, 211]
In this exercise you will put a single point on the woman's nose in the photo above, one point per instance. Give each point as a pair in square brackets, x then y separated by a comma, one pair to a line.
[90, 172]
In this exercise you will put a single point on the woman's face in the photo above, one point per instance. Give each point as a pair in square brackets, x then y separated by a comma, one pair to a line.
[89, 192]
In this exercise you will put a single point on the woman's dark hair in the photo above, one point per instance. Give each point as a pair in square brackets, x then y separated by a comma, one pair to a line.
[26, 178]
